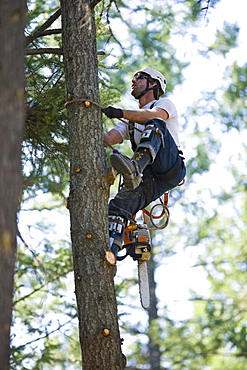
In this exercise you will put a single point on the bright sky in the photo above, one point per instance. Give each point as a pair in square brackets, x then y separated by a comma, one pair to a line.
[206, 74]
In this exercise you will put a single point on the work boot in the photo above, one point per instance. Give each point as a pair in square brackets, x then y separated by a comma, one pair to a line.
[115, 249]
[131, 169]
[117, 225]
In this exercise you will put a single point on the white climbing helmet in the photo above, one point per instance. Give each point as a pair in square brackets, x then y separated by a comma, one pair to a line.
[156, 75]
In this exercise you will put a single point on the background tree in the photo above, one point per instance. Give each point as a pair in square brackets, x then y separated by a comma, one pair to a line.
[12, 23]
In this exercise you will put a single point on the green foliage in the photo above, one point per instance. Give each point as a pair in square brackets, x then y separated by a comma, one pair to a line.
[206, 147]
[45, 141]
[234, 103]
[45, 138]
[152, 44]
[225, 40]
[200, 8]
[224, 316]
[227, 105]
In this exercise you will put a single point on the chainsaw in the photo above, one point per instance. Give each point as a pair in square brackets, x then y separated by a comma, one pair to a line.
[137, 243]
[137, 246]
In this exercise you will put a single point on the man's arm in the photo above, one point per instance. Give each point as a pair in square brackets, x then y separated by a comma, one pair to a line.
[112, 137]
[139, 115]
[143, 115]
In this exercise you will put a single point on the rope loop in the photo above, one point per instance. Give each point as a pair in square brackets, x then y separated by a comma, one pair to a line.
[165, 214]
[87, 102]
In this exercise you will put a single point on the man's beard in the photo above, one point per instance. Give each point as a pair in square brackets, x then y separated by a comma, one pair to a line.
[134, 92]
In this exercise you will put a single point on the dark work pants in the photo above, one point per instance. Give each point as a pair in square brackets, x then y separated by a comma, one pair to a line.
[128, 202]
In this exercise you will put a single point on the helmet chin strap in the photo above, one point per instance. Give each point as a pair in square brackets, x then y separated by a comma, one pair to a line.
[147, 89]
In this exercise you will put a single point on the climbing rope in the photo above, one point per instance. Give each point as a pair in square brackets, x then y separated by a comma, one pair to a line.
[150, 214]
[164, 213]
[88, 102]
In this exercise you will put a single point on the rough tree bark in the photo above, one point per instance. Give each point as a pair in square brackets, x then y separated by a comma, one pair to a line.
[97, 309]
[12, 115]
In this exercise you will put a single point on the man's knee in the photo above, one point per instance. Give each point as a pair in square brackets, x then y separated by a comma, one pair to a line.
[152, 136]
[157, 122]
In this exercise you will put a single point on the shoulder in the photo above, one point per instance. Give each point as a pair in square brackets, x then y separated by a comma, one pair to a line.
[164, 102]
[123, 129]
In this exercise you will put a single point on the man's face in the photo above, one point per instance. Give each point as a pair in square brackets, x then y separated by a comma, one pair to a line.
[139, 84]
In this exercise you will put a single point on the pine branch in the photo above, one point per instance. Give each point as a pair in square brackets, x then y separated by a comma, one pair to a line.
[30, 294]
[60, 326]
[54, 31]
[204, 8]
[94, 3]
[57, 51]
[44, 27]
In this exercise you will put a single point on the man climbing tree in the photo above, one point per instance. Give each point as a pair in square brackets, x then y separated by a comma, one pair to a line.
[157, 165]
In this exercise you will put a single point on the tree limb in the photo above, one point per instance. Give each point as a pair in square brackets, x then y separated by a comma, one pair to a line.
[44, 27]
[46, 335]
[94, 3]
[204, 8]
[57, 51]
[54, 31]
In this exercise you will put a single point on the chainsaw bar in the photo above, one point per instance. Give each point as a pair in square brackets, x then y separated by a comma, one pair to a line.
[143, 283]
[140, 252]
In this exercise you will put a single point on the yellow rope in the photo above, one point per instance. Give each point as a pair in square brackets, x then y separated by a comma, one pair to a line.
[89, 102]
[86, 101]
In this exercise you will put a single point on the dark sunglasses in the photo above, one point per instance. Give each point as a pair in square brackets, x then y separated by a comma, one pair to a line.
[139, 77]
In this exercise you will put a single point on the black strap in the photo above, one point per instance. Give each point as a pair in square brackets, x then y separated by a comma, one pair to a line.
[132, 129]
[131, 134]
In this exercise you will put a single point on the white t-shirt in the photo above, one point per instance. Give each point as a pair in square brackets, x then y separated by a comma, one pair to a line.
[171, 121]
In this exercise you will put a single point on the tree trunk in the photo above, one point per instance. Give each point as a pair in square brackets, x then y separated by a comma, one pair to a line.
[89, 192]
[153, 330]
[12, 115]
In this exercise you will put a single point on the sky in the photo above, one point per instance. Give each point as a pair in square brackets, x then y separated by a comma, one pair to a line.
[205, 74]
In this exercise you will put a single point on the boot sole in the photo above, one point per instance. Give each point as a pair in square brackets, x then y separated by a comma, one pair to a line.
[127, 169]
